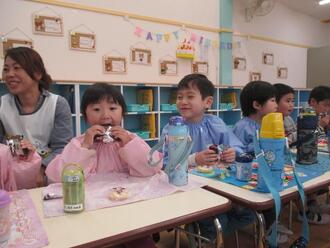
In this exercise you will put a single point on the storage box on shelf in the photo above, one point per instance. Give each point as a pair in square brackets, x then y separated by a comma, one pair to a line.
[151, 105]
[229, 105]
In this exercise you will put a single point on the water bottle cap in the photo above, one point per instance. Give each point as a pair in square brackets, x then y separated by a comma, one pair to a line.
[4, 198]
[245, 157]
[176, 120]
[272, 126]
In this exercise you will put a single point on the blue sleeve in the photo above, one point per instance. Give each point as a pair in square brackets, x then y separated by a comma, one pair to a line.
[223, 134]
[230, 139]
[245, 134]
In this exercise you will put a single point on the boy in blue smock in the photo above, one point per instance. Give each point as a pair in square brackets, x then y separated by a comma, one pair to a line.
[257, 100]
[194, 97]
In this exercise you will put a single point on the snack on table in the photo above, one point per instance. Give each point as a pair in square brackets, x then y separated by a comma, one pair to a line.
[118, 194]
[205, 169]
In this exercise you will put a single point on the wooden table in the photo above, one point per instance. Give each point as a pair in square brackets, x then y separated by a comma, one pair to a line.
[261, 201]
[124, 223]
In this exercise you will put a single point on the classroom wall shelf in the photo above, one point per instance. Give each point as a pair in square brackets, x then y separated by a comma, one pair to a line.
[149, 124]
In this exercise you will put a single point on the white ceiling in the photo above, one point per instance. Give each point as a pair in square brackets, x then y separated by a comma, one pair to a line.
[309, 7]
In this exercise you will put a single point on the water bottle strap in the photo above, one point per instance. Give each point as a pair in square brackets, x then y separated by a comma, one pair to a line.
[158, 146]
[185, 146]
[186, 152]
[305, 227]
[265, 173]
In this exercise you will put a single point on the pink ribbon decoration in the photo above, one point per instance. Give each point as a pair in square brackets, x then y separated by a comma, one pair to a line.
[138, 31]
[193, 37]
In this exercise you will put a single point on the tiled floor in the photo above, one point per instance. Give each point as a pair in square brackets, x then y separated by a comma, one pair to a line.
[319, 235]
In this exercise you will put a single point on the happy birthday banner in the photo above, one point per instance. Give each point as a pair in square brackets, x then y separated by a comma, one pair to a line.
[201, 40]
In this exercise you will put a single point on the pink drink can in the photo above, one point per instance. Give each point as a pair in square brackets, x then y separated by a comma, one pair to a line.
[5, 220]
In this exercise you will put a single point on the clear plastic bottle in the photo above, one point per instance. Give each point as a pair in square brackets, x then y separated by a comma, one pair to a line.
[179, 147]
[73, 188]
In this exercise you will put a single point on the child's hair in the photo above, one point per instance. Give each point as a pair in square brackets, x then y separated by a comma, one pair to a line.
[32, 63]
[101, 91]
[259, 91]
[205, 86]
[282, 90]
[319, 93]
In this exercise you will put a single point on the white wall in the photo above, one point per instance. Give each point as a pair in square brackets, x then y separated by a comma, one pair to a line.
[113, 32]
[281, 24]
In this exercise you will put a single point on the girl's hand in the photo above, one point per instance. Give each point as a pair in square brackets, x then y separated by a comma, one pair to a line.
[206, 157]
[28, 150]
[121, 135]
[228, 155]
[90, 135]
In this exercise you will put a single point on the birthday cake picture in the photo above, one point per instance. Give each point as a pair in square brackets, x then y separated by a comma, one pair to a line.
[185, 50]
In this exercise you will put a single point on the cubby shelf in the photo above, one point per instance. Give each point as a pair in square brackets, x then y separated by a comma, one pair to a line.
[73, 92]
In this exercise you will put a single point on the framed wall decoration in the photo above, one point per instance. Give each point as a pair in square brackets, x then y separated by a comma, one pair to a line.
[168, 67]
[282, 72]
[200, 67]
[82, 41]
[268, 58]
[114, 64]
[140, 56]
[47, 25]
[239, 63]
[255, 76]
[8, 43]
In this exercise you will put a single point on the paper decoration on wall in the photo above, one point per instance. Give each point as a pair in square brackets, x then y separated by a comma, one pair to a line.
[114, 64]
[201, 67]
[140, 56]
[268, 58]
[168, 67]
[255, 76]
[282, 72]
[239, 63]
[185, 50]
[195, 38]
[82, 41]
[47, 23]
[8, 42]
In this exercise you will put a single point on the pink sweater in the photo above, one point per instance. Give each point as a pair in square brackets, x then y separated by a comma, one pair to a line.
[18, 174]
[105, 158]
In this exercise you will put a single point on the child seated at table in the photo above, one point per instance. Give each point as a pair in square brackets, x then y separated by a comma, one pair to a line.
[257, 100]
[285, 101]
[102, 106]
[319, 100]
[17, 171]
[194, 98]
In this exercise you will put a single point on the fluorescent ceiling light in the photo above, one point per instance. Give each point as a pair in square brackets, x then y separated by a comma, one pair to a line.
[322, 2]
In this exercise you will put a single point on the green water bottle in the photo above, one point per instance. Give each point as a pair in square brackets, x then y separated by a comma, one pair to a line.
[73, 188]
